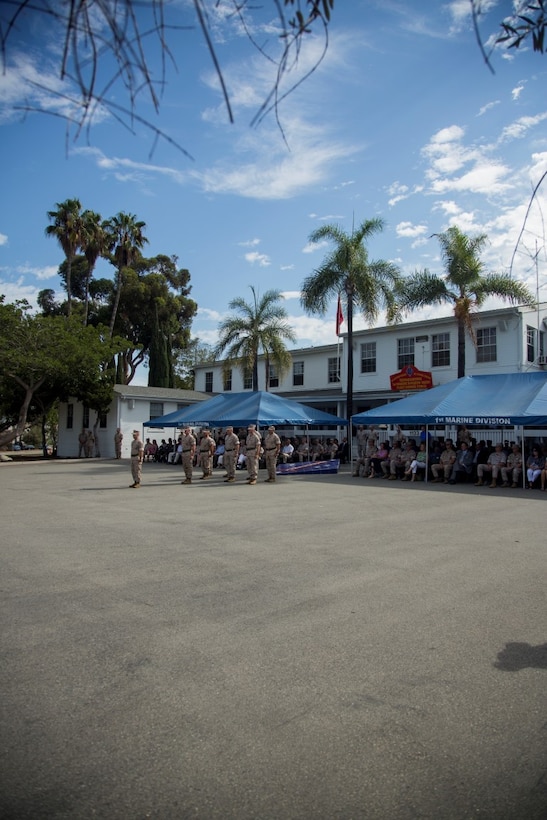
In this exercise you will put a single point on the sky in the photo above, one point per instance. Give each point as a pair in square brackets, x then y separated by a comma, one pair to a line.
[402, 120]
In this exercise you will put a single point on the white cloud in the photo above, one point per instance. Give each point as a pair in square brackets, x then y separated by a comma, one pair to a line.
[291, 294]
[487, 107]
[516, 92]
[286, 267]
[262, 259]
[250, 243]
[3, 239]
[407, 229]
[519, 128]
[312, 247]
[47, 272]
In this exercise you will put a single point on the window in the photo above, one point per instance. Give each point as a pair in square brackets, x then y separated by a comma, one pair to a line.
[368, 357]
[228, 379]
[530, 343]
[156, 409]
[248, 379]
[209, 382]
[486, 344]
[85, 420]
[440, 350]
[102, 421]
[405, 352]
[334, 369]
[69, 416]
[298, 374]
[273, 378]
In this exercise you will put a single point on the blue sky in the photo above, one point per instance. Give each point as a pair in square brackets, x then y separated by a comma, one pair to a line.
[401, 120]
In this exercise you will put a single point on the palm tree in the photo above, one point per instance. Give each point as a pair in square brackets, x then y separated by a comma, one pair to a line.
[67, 229]
[465, 286]
[347, 272]
[125, 240]
[94, 243]
[260, 327]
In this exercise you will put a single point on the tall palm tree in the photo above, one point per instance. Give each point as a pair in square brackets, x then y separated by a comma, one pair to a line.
[66, 227]
[94, 243]
[369, 285]
[465, 286]
[125, 240]
[260, 327]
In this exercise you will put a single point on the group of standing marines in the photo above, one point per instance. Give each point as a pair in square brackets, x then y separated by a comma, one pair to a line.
[206, 449]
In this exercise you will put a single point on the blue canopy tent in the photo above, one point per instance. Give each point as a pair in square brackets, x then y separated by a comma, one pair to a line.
[518, 399]
[187, 415]
[240, 409]
[501, 399]
[262, 408]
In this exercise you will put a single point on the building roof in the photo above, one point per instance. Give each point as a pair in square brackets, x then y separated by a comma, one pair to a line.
[130, 391]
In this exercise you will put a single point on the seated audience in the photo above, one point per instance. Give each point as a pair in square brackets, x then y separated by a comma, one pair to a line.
[513, 466]
[463, 465]
[535, 463]
[494, 463]
[417, 463]
[446, 462]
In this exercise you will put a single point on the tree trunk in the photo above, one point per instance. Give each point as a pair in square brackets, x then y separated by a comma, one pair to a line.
[349, 385]
[461, 349]
[116, 303]
[69, 284]
[7, 436]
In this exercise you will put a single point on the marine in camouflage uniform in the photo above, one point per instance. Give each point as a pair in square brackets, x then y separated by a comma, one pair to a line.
[118, 438]
[188, 444]
[252, 450]
[137, 456]
[231, 453]
[272, 445]
[206, 449]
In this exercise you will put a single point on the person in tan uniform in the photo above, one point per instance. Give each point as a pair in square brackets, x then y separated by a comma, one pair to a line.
[137, 457]
[82, 441]
[514, 466]
[272, 445]
[252, 451]
[496, 461]
[231, 453]
[118, 438]
[446, 462]
[207, 448]
[188, 449]
[89, 444]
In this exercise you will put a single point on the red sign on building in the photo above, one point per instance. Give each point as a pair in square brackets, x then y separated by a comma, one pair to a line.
[410, 378]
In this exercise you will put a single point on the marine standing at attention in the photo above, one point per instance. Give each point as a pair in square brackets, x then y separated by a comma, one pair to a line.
[231, 453]
[188, 443]
[272, 445]
[118, 438]
[137, 456]
[206, 450]
[252, 449]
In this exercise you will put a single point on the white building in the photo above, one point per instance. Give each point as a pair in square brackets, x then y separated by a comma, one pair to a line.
[131, 406]
[508, 340]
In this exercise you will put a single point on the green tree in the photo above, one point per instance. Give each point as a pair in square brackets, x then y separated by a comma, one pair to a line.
[186, 359]
[465, 286]
[154, 285]
[260, 327]
[125, 239]
[66, 227]
[347, 271]
[94, 245]
[45, 358]
[160, 368]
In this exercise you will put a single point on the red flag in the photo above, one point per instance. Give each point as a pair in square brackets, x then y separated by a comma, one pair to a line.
[339, 316]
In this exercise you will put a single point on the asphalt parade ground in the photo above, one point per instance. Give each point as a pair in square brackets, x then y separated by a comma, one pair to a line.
[323, 647]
